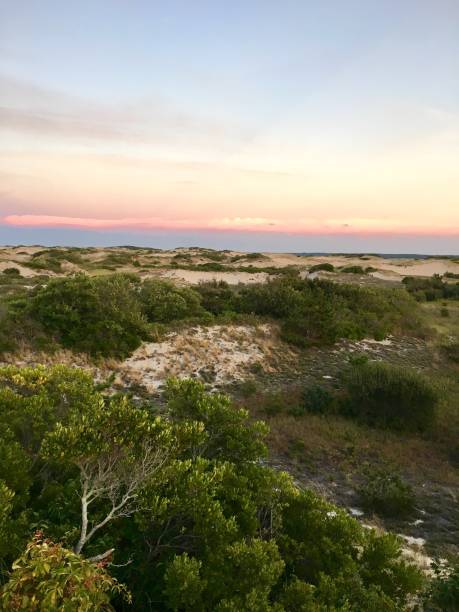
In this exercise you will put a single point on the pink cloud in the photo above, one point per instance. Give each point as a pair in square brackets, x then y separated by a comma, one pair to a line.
[294, 226]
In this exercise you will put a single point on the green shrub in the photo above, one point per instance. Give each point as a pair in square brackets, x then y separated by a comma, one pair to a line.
[384, 395]
[443, 592]
[100, 315]
[164, 302]
[386, 493]
[430, 289]
[317, 400]
[247, 388]
[326, 267]
[451, 351]
[272, 404]
[11, 272]
[353, 270]
[217, 297]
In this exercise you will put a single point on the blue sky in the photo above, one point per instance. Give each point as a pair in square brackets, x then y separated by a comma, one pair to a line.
[318, 118]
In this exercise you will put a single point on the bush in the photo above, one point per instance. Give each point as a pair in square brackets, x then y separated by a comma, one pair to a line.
[101, 316]
[317, 399]
[451, 351]
[164, 302]
[273, 403]
[443, 593]
[49, 577]
[384, 395]
[430, 289]
[247, 387]
[217, 297]
[386, 493]
[353, 270]
[325, 267]
[11, 272]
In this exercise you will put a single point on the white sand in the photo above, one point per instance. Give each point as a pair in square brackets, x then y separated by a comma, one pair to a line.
[194, 277]
[223, 352]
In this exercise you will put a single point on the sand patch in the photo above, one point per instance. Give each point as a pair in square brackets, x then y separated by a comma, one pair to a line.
[194, 277]
[217, 355]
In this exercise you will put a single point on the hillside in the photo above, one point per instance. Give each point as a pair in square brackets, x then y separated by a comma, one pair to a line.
[338, 355]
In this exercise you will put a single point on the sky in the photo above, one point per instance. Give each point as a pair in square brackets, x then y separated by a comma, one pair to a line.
[258, 125]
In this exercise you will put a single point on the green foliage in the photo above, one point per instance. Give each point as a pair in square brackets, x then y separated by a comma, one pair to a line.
[451, 351]
[110, 315]
[49, 577]
[384, 395]
[353, 270]
[430, 289]
[320, 312]
[12, 272]
[164, 302]
[247, 387]
[230, 432]
[325, 267]
[184, 497]
[217, 297]
[348, 565]
[183, 584]
[317, 399]
[386, 493]
[443, 592]
[100, 315]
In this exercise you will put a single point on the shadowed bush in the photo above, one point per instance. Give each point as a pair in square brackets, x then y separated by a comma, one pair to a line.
[384, 395]
[386, 493]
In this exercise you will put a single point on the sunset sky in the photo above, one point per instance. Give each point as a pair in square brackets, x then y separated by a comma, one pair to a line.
[294, 125]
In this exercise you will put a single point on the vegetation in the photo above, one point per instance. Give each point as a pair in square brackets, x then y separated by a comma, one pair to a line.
[11, 272]
[100, 315]
[386, 493]
[430, 289]
[386, 396]
[325, 267]
[443, 592]
[164, 302]
[178, 508]
[109, 315]
[353, 270]
[49, 577]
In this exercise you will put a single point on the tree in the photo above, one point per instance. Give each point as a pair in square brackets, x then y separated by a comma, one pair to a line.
[117, 449]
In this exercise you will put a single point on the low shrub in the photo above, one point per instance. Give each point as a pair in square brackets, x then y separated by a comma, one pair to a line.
[247, 388]
[164, 302]
[101, 315]
[317, 400]
[384, 395]
[386, 493]
[353, 270]
[430, 289]
[451, 351]
[325, 267]
[443, 592]
[272, 404]
[11, 272]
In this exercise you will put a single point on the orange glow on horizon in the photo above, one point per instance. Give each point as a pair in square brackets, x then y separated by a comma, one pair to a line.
[363, 227]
